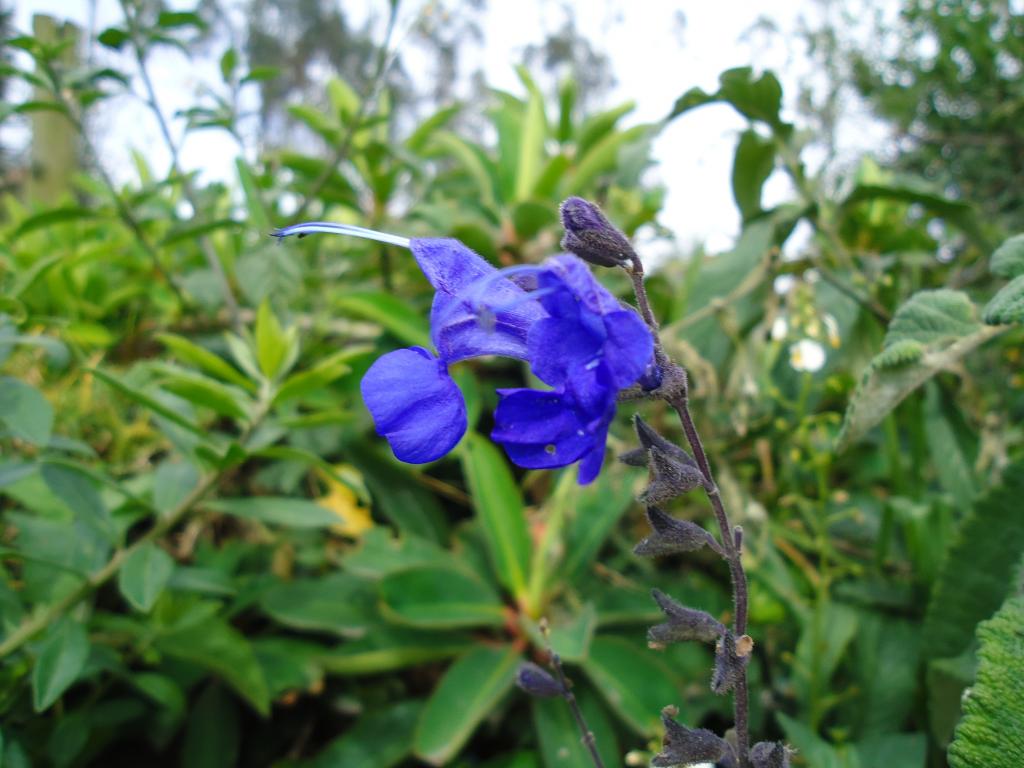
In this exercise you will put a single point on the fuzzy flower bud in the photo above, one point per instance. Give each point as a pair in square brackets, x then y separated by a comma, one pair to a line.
[683, 623]
[537, 682]
[684, 746]
[589, 235]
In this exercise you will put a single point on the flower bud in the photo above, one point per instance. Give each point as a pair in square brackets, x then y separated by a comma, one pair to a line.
[769, 754]
[671, 536]
[537, 682]
[589, 235]
[684, 746]
[729, 665]
[683, 623]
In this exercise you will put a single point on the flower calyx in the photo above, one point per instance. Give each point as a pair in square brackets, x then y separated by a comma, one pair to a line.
[770, 754]
[732, 654]
[685, 746]
[673, 471]
[684, 624]
[670, 536]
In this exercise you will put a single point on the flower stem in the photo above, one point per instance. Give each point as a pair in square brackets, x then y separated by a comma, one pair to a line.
[587, 735]
[679, 400]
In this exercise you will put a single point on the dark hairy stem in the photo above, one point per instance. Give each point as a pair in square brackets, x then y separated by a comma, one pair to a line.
[679, 400]
[586, 735]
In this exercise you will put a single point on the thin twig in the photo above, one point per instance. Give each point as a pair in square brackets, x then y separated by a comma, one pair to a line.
[384, 61]
[586, 735]
[679, 400]
[212, 260]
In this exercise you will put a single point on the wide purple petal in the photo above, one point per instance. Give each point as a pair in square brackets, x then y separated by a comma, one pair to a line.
[629, 348]
[448, 264]
[590, 464]
[558, 345]
[467, 326]
[573, 273]
[540, 430]
[415, 404]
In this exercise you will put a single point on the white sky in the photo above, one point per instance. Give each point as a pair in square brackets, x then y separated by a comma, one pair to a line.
[652, 62]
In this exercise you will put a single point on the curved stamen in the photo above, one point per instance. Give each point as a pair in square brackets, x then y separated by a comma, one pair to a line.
[479, 299]
[332, 228]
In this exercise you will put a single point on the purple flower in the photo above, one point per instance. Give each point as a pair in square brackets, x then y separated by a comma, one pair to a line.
[587, 348]
[576, 336]
[415, 404]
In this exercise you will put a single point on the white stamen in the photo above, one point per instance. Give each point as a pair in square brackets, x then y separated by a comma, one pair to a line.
[332, 228]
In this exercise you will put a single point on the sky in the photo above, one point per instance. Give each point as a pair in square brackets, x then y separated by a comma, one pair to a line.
[654, 60]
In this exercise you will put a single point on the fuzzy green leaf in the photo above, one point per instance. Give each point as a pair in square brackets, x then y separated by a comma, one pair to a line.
[991, 733]
[978, 570]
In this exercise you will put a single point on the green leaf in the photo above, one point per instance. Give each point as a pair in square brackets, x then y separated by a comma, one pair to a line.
[337, 603]
[907, 750]
[277, 510]
[78, 491]
[273, 345]
[148, 402]
[61, 658]
[593, 512]
[379, 554]
[1008, 259]
[440, 597]
[390, 312]
[144, 575]
[398, 497]
[887, 654]
[530, 217]
[387, 648]
[614, 667]
[467, 693]
[752, 165]
[25, 412]
[947, 679]
[954, 465]
[177, 19]
[162, 690]
[173, 481]
[215, 645]
[258, 216]
[499, 508]
[379, 739]
[601, 125]
[815, 750]
[48, 218]
[213, 734]
[531, 145]
[189, 352]
[289, 664]
[559, 736]
[824, 636]
[228, 62]
[991, 733]
[943, 324]
[759, 99]
[603, 157]
[323, 373]
[113, 38]
[1007, 306]
[208, 393]
[977, 572]
[569, 636]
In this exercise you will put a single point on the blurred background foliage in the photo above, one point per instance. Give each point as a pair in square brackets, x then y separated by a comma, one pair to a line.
[209, 558]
